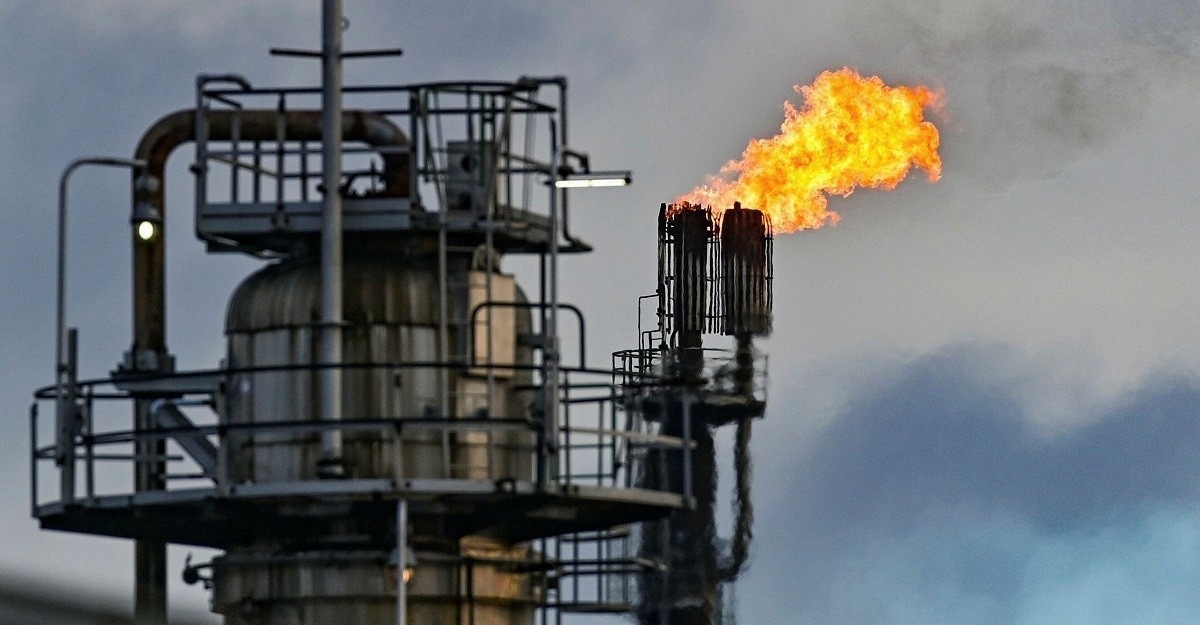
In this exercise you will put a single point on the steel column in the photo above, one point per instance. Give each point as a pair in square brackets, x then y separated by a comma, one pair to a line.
[330, 375]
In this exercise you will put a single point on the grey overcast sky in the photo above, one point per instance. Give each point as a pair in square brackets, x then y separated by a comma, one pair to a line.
[984, 391]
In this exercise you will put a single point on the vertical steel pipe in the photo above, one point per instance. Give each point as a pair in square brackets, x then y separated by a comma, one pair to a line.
[401, 560]
[330, 393]
[148, 353]
[550, 348]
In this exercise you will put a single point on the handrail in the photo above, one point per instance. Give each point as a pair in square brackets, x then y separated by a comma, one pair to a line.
[531, 306]
[585, 437]
[48, 392]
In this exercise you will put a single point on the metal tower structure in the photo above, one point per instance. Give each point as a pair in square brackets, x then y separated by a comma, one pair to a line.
[394, 434]
[714, 278]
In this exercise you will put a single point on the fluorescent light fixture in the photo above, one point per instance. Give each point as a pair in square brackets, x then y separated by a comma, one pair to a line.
[595, 179]
[600, 182]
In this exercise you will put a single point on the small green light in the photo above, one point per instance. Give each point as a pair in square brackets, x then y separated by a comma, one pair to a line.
[146, 230]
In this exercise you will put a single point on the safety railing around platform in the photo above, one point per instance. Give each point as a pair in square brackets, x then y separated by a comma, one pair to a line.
[599, 442]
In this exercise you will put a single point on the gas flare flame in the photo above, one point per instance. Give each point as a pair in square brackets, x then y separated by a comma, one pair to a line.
[852, 132]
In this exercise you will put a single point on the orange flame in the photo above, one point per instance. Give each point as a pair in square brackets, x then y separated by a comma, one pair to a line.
[852, 132]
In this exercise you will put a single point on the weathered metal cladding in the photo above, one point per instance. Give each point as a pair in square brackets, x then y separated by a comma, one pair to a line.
[745, 272]
[258, 587]
[392, 325]
[391, 340]
[690, 231]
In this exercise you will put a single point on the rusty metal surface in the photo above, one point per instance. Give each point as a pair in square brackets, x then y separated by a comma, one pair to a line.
[745, 236]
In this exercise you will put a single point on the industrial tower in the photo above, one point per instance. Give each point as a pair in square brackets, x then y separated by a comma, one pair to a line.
[394, 434]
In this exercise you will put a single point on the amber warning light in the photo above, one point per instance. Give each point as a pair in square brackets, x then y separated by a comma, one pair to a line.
[851, 132]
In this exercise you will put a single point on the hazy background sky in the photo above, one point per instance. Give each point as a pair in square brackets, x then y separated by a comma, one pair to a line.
[983, 391]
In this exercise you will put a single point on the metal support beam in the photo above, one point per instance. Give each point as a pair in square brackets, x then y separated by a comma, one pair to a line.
[167, 415]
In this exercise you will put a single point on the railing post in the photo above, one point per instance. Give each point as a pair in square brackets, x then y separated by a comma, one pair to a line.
[550, 354]
[687, 448]
[68, 419]
[63, 374]
[33, 459]
[89, 449]
[398, 455]
[401, 560]
[225, 441]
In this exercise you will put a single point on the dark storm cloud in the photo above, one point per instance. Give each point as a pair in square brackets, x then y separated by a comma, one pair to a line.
[943, 434]
[932, 497]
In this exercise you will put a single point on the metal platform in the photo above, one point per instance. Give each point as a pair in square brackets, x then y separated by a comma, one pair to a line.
[511, 513]
[592, 469]
[458, 157]
[263, 225]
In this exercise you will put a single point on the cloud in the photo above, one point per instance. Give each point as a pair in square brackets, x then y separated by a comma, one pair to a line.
[947, 432]
[1032, 85]
[933, 498]
[197, 22]
[1169, 27]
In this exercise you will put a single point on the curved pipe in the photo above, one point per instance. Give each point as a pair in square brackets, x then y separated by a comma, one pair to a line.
[149, 351]
[179, 127]
[203, 80]
[148, 354]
